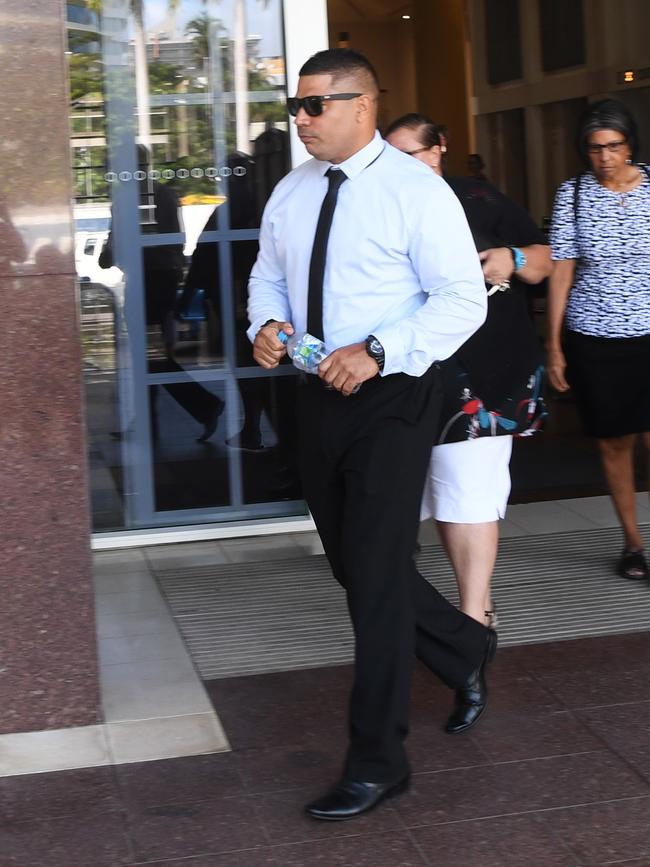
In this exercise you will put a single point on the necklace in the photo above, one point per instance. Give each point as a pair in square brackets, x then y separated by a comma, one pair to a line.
[623, 193]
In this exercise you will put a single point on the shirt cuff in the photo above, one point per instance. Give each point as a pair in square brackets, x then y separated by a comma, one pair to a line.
[393, 350]
[260, 323]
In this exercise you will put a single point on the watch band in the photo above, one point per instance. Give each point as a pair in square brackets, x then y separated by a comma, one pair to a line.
[519, 258]
[376, 351]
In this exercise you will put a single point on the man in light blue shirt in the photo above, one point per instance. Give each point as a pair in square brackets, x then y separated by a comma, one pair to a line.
[381, 261]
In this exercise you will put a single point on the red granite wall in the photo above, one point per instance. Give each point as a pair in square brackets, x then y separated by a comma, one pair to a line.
[48, 670]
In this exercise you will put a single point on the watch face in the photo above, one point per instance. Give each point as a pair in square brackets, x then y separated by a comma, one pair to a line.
[375, 347]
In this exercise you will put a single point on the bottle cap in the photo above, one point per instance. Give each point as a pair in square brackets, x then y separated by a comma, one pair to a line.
[283, 336]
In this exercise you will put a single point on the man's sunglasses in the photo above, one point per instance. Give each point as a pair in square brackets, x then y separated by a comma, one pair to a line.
[313, 105]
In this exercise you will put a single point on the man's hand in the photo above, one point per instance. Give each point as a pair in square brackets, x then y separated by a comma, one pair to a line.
[498, 264]
[346, 368]
[267, 349]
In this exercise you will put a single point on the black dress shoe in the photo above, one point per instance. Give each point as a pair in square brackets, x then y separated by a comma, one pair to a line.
[210, 425]
[471, 700]
[350, 798]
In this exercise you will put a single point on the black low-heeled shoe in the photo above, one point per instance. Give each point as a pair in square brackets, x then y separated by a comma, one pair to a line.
[350, 798]
[471, 699]
[633, 565]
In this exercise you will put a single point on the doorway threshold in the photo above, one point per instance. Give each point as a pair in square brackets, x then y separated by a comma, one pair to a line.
[199, 533]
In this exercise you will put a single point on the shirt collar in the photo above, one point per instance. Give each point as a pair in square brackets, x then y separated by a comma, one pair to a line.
[359, 161]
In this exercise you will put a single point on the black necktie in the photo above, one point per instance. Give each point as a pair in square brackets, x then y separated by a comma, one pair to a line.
[319, 253]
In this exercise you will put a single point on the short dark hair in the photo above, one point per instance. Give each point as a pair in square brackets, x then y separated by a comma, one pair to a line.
[607, 114]
[339, 62]
[427, 129]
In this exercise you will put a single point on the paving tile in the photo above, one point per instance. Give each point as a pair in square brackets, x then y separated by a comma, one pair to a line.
[624, 723]
[85, 792]
[430, 748]
[286, 686]
[315, 763]
[517, 787]
[122, 582]
[285, 820]
[309, 543]
[183, 829]
[260, 857]
[599, 510]
[140, 648]
[145, 690]
[603, 833]
[129, 561]
[578, 690]
[264, 548]
[610, 653]
[94, 841]
[187, 780]
[547, 517]
[185, 556]
[509, 530]
[509, 841]
[519, 736]
[52, 750]
[635, 862]
[381, 850]
[169, 737]
[625, 729]
[119, 625]
[284, 708]
[136, 601]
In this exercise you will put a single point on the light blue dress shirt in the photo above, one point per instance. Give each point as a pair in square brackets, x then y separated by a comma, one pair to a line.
[401, 262]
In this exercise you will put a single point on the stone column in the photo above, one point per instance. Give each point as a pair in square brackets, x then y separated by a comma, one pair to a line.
[48, 669]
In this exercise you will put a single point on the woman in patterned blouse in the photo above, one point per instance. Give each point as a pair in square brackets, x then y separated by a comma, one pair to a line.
[600, 290]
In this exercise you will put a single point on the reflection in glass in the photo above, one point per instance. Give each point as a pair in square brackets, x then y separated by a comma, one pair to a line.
[189, 472]
[266, 440]
[178, 136]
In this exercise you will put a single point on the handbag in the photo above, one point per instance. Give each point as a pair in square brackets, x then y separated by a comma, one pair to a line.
[494, 384]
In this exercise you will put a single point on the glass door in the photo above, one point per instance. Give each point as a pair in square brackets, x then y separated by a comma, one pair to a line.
[179, 133]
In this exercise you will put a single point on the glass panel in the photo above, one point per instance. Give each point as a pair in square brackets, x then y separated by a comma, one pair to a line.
[178, 136]
[266, 440]
[562, 33]
[99, 327]
[188, 473]
[502, 41]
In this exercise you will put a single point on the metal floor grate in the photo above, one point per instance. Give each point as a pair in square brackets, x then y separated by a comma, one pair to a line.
[251, 618]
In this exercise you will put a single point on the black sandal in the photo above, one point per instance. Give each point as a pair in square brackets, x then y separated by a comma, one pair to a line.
[632, 565]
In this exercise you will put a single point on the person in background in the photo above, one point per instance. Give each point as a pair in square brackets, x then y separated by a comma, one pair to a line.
[600, 291]
[492, 388]
[370, 252]
[476, 167]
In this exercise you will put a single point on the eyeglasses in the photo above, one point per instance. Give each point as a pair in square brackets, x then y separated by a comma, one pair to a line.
[313, 105]
[416, 151]
[612, 147]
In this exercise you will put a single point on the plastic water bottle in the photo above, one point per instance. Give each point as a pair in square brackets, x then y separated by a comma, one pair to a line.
[305, 350]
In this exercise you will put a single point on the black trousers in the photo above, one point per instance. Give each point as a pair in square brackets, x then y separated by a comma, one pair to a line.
[363, 463]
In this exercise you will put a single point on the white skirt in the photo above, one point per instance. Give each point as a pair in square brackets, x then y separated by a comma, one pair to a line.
[468, 482]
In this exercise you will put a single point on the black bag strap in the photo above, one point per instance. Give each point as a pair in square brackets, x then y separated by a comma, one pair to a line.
[576, 188]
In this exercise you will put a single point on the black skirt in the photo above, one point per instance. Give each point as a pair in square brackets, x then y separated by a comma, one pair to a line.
[610, 379]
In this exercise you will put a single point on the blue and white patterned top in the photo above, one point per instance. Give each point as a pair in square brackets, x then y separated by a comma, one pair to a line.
[610, 296]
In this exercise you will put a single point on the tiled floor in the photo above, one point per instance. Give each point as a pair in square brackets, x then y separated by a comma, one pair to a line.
[556, 775]
[558, 772]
